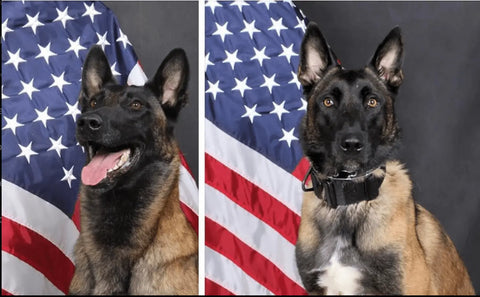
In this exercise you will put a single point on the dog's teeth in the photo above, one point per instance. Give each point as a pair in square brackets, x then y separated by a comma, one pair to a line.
[123, 161]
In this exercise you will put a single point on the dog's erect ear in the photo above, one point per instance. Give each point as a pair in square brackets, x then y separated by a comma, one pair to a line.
[96, 72]
[388, 58]
[170, 82]
[315, 56]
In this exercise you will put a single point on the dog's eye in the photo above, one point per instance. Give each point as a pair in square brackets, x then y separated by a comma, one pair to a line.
[93, 103]
[372, 102]
[328, 102]
[136, 105]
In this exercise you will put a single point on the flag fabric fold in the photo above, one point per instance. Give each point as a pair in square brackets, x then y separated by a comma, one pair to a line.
[44, 45]
[253, 159]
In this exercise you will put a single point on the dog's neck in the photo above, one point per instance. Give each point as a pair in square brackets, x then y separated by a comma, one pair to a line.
[345, 191]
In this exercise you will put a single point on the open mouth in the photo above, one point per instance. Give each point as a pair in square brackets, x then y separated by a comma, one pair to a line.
[107, 163]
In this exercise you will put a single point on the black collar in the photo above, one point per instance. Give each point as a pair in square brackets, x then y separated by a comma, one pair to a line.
[344, 190]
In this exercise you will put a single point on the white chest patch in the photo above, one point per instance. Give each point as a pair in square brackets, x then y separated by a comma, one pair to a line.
[339, 279]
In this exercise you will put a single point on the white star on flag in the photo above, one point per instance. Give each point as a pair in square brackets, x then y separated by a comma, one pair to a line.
[90, 11]
[266, 2]
[250, 28]
[59, 81]
[232, 58]
[15, 59]
[207, 61]
[241, 85]
[33, 23]
[294, 80]
[277, 25]
[57, 145]
[123, 39]
[3, 95]
[269, 82]
[27, 151]
[72, 110]
[75, 46]
[222, 31]
[68, 176]
[63, 16]
[5, 28]
[213, 89]
[279, 109]
[287, 52]
[28, 89]
[304, 104]
[288, 136]
[12, 124]
[113, 68]
[42, 116]
[251, 112]
[260, 55]
[212, 4]
[301, 25]
[102, 40]
[239, 4]
[45, 52]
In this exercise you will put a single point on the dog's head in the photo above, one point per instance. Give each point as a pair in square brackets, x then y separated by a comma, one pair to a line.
[128, 127]
[350, 125]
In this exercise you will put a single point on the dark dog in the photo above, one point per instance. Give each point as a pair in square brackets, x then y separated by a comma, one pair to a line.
[134, 236]
[361, 231]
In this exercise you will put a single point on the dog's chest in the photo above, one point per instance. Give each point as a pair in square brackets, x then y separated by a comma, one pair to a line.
[336, 277]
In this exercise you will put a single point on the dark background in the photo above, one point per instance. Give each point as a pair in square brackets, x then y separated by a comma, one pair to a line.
[154, 29]
[438, 105]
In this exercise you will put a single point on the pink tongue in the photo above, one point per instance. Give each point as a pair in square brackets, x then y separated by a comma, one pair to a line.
[96, 170]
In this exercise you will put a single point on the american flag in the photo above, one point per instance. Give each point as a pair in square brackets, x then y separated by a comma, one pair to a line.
[253, 159]
[43, 48]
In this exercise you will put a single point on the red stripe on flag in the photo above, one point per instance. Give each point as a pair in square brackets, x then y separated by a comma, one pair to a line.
[212, 288]
[76, 213]
[5, 292]
[192, 217]
[38, 252]
[184, 163]
[301, 168]
[249, 260]
[252, 198]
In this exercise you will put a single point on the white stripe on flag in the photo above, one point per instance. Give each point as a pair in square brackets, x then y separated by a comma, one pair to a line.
[228, 275]
[19, 278]
[40, 216]
[254, 167]
[137, 77]
[252, 231]
[188, 190]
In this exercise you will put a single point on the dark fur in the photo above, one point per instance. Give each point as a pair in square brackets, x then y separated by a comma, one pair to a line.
[134, 237]
[395, 245]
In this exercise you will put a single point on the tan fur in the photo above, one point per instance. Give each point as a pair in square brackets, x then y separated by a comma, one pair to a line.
[169, 265]
[164, 257]
[429, 261]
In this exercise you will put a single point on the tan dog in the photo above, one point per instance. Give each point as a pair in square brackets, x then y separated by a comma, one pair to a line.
[361, 232]
[134, 236]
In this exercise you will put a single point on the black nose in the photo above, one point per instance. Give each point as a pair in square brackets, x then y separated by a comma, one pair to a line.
[91, 121]
[351, 143]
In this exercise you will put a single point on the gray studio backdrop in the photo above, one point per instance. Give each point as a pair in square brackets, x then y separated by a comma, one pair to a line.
[154, 28]
[438, 105]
